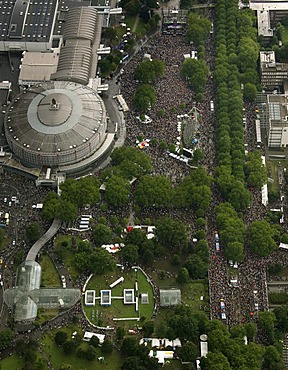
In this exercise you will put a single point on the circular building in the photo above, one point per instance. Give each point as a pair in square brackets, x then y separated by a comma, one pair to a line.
[55, 124]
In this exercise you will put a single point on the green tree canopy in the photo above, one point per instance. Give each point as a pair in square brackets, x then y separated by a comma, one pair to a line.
[196, 72]
[60, 337]
[145, 97]
[117, 192]
[130, 253]
[281, 314]
[109, 33]
[33, 232]
[239, 196]
[184, 324]
[132, 7]
[248, 51]
[107, 346]
[6, 337]
[101, 262]
[154, 191]
[188, 352]
[197, 268]
[255, 171]
[260, 238]
[51, 206]
[148, 328]
[67, 210]
[81, 192]
[250, 91]
[198, 29]
[234, 251]
[183, 276]
[149, 70]
[171, 233]
[215, 361]
[102, 234]
[272, 359]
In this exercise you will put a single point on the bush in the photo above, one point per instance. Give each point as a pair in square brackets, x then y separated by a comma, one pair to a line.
[104, 207]
[107, 346]
[200, 234]
[284, 238]
[278, 298]
[102, 220]
[275, 269]
[200, 222]
[176, 260]
[60, 337]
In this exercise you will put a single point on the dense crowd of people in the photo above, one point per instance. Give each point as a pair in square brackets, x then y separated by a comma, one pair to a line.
[173, 92]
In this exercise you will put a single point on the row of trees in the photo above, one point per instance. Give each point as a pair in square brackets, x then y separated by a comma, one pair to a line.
[89, 352]
[147, 72]
[261, 236]
[152, 191]
[235, 170]
[227, 349]
[138, 248]
[232, 231]
[28, 352]
[75, 194]
[234, 32]
[157, 191]
[195, 71]
[87, 259]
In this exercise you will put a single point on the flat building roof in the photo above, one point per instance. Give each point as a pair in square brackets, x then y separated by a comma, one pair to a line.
[38, 66]
[27, 20]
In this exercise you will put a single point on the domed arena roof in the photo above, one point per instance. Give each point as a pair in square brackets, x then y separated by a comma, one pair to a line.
[55, 123]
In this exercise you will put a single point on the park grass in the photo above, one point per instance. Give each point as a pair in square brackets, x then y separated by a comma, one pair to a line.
[14, 362]
[282, 273]
[104, 314]
[164, 264]
[272, 167]
[50, 277]
[135, 24]
[58, 357]
[191, 293]
[11, 362]
[285, 36]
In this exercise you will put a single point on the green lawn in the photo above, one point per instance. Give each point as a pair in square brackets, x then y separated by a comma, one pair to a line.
[11, 362]
[58, 357]
[14, 362]
[164, 264]
[50, 277]
[135, 22]
[272, 167]
[118, 309]
[191, 293]
[285, 36]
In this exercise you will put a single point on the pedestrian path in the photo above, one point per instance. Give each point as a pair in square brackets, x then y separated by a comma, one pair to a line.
[36, 247]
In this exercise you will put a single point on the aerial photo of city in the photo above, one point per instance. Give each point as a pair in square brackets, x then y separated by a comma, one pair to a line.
[143, 185]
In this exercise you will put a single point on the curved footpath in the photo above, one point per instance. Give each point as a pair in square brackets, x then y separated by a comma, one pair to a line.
[36, 247]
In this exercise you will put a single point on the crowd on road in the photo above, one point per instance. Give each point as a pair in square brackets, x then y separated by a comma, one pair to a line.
[21, 214]
[172, 95]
